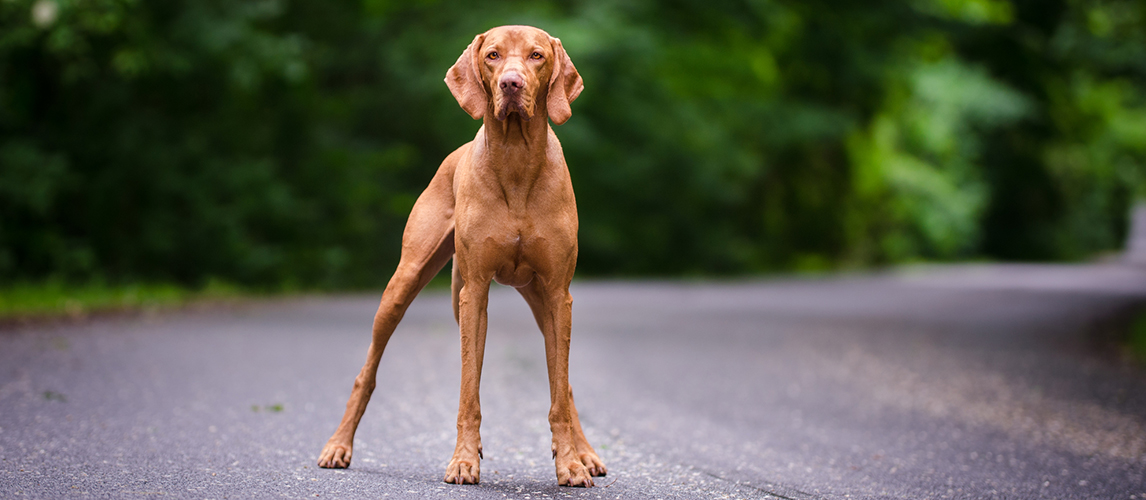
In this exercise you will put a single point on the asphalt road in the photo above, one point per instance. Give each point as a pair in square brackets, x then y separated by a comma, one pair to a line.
[952, 382]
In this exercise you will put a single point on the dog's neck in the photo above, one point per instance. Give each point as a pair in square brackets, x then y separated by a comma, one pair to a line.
[516, 149]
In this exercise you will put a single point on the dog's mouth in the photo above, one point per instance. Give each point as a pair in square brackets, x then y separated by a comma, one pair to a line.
[510, 105]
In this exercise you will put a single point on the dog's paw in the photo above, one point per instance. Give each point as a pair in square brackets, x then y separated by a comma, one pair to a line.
[593, 463]
[573, 473]
[461, 471]
[335, 456]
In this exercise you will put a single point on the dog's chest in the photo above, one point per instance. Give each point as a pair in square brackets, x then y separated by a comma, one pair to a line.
[512, 267]
[511, 247]
[505, 250]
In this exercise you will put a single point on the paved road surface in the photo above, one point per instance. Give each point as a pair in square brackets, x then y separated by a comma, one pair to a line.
[954, 382]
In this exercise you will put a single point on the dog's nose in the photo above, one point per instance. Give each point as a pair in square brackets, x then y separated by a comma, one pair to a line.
[510, 83]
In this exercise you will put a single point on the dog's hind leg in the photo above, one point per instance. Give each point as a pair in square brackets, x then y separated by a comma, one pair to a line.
[427, 245]
[456, 283]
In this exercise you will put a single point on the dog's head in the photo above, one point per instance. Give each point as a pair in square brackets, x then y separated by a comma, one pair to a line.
[511, 69]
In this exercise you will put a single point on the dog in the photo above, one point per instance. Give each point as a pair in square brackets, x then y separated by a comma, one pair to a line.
[502, 206]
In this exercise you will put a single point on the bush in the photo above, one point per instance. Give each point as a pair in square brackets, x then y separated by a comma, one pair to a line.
[274, 143]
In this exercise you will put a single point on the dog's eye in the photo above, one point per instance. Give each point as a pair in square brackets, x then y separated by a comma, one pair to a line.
[535, 55]
[492, 56]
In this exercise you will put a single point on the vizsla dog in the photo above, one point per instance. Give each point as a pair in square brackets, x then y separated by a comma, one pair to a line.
[503, 206]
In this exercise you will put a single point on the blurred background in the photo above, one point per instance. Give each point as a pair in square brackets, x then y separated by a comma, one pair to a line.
[280, 144]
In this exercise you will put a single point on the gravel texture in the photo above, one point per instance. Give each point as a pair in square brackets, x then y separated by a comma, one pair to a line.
[984, 381]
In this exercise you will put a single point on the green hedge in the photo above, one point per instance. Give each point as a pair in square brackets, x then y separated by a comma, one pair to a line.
[281, 143]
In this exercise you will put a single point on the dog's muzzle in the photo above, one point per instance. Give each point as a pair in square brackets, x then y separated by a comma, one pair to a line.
[512, 87]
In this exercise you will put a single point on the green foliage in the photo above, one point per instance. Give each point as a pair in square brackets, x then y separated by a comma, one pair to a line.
[917, 165]
[56, 299]
[282, 144]
[1136, 343]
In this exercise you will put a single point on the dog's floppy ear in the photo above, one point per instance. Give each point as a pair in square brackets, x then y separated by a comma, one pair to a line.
[465, 83]
[564, 85]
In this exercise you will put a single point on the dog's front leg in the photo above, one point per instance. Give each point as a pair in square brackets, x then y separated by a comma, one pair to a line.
[535, 296]
[557, 329]
[464, 467]
[589, 457]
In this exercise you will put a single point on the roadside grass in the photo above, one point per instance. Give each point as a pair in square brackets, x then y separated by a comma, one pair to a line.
[55, 299]
[1136, 341]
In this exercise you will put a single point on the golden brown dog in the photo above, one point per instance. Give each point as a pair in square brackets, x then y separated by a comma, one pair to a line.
[503, 206]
